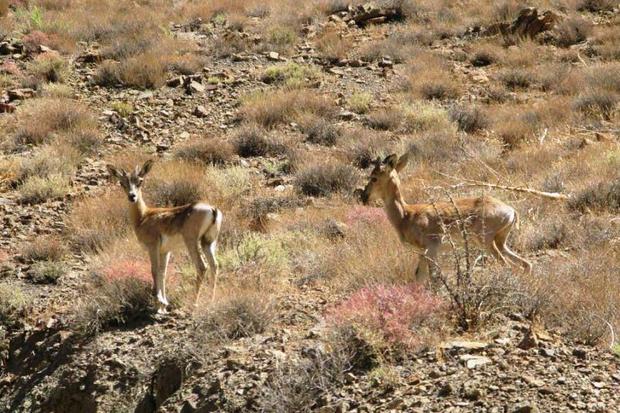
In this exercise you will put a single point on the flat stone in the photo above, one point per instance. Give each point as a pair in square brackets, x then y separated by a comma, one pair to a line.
[474, 361]
[464, 345]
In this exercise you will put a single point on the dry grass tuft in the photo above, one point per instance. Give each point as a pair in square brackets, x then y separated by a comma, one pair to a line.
[241, 314]
[469, 119]
[251, 141]
[320, 131]
[385, 119]
[326, 179]
[47, 248]
[37, 189]
[270, 109]
[108, 303]
[209, 151]
[332, 46]
[97, 221]
[13, 304]
[41, 119]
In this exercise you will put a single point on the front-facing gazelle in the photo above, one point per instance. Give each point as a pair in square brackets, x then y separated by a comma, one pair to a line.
[160, 230]
[487, 219]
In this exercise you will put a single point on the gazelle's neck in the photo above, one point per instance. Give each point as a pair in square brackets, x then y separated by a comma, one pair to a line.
[137, 210]
[394, 204]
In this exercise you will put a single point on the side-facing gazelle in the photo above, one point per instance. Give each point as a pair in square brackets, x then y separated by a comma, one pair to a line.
[422, 225]
[161, 230]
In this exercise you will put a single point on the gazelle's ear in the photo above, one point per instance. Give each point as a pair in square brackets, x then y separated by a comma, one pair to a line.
[402, 162]
[115, 172]
[391, 160]
[146, 168]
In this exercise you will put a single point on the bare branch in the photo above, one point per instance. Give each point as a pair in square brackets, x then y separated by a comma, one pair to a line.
[475, 183]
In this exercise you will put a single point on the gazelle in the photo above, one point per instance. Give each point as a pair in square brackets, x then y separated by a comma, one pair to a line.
[422, 225]
[161, 230]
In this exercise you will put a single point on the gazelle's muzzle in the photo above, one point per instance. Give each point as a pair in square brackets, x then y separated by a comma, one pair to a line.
[362, 194]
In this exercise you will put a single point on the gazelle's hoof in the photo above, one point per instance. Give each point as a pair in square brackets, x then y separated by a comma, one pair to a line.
[162, 310]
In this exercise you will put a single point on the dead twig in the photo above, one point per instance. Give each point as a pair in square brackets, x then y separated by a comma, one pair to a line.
[475, 183]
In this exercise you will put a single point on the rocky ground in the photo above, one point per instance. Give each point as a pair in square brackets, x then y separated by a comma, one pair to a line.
[161, 365]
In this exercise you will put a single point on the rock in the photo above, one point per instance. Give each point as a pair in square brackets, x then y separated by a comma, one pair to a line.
[397, 403]
[167, 380]
[335, 71]
[464, 345]
[346, 115]
[274, 56]
[529, 23]
[580, 353]
[471, 391]
[474, 361]
[176, 81]
[92, 56]
[386, 62]
[20, 94]
[201, 111]
[195, 87]
[6, 48]
[527, 408]
[530, 340]
[446, 390]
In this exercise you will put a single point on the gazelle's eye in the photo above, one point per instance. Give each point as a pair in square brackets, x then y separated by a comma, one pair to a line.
[373, 179]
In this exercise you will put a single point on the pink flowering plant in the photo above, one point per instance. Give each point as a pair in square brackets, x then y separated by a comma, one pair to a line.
[402, 316]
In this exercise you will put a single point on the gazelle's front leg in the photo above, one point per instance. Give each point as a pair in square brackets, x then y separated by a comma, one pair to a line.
[427, 263]
[157, 279]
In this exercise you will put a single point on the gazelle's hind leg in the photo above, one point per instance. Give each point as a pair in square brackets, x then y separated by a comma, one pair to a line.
[193, 247]
[500, 242]
[209, 248]
[163, 272]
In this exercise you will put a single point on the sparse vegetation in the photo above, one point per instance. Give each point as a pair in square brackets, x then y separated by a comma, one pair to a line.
[13, 304]
[240, 315]
[360, 102]
[253, 141]
[316, 307]
[323, 180]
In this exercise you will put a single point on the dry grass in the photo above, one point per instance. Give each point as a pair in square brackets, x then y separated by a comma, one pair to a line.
[273, 108]
[209, 151]
[385, 119]
[49, 248]
[320, 131]
[332, 46]
[241, 314]
[37, 189]
[326, 179]
[430, 78]
[40, 120]
[13, 304]
[97, 221]
[252, 140]
[291, 75]
[360, 102]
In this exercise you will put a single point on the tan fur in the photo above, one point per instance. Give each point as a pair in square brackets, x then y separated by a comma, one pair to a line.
[197, 226]
[487, 219]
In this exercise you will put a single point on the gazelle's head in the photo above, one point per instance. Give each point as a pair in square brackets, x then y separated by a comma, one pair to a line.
[383, 176]
[131, 182]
